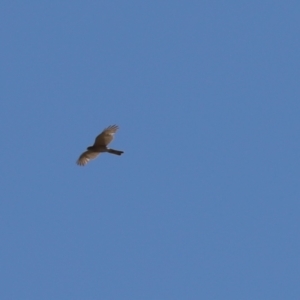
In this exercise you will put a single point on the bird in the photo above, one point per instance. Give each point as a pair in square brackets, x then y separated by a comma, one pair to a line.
[100, 146]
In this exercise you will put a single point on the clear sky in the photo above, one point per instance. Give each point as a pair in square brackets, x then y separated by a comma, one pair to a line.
[204, 203]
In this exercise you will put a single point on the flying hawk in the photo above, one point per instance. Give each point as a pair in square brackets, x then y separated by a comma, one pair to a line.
[100, 146]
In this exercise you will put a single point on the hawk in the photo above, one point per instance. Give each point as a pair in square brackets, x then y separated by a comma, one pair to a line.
[100, 146]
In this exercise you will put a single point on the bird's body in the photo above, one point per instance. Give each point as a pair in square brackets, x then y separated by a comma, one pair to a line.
[100, 146]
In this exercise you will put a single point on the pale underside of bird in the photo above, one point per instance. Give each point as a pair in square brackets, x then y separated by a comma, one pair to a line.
[100, 146]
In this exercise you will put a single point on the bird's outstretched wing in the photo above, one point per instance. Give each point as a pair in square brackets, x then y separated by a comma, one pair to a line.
[106, 136]
[86, 156]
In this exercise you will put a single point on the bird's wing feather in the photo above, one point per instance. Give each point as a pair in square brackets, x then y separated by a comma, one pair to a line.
[106, 136]
[86, 156]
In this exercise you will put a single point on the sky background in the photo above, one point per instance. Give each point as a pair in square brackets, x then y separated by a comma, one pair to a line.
[204, 203]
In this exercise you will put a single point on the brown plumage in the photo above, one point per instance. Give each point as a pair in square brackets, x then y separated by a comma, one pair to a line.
[100, 146]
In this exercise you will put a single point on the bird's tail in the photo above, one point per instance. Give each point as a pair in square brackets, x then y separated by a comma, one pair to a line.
[117, 152]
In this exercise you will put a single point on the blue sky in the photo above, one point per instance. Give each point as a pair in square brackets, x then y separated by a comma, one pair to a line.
[204, 204]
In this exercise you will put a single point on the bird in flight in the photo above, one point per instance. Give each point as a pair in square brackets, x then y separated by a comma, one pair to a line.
[100, 146]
